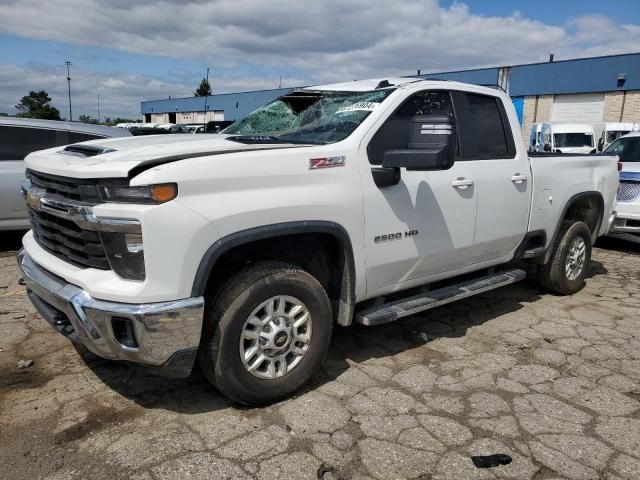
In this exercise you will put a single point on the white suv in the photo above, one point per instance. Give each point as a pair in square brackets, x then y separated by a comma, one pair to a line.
[628, 210]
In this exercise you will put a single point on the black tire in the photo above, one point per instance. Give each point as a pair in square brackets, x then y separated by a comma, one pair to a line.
[225, 317]
[553, 275]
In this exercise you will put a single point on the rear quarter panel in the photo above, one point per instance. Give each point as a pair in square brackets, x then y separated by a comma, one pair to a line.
[557, 179]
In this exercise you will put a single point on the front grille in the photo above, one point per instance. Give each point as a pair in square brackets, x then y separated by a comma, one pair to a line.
[66, 240]
[85, 190]
[628, 191]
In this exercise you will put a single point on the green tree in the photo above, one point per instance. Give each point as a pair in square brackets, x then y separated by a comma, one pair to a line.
[204, 89]
[88, 119]
[36, 105]
[114, 121]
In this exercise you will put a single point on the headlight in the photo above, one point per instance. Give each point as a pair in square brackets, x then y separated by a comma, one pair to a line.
[125, 253]
[149, 194]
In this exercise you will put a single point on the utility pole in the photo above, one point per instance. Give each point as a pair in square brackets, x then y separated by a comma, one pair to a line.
[98, 107]
[206, 97]
[68, 64]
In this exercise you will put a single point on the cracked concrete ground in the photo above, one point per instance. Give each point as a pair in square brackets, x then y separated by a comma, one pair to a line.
[552, 381]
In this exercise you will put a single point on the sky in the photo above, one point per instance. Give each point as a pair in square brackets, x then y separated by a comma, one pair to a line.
[132, 51]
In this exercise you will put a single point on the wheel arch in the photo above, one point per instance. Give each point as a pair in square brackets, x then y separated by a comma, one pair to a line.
[342, 296]
[587, 207]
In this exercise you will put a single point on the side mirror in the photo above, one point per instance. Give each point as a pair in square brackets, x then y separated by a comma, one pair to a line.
[432, 142]
[547, 147]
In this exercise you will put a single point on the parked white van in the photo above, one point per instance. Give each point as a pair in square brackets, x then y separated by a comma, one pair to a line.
[567, 138]
[608, 132]
[534, 138]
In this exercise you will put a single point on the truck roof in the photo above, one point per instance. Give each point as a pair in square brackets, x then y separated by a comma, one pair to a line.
[620, 125]
[363, 85]
[395, 82]
[571, 128]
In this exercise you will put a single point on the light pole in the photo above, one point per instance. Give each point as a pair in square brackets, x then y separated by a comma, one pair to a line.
[68, 64]
[206, 97]
[98, 107]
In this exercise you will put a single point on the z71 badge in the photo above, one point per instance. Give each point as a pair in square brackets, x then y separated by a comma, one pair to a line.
[326, 162]
[394, 236]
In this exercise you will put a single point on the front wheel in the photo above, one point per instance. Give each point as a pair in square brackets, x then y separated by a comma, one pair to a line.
[566, 270]
[266, 333]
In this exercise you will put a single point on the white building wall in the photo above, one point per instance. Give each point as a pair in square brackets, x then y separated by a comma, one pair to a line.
[582, 108]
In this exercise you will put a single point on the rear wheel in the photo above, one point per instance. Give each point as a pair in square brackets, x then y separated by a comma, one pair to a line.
[266, 333]
[566, 270]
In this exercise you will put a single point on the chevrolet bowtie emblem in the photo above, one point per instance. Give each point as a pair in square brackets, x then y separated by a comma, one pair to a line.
[33, 198]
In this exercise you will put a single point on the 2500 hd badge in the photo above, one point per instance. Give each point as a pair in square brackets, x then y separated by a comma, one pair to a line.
[394, 236]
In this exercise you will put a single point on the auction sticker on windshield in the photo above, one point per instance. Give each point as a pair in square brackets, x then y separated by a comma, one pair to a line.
[360, 106]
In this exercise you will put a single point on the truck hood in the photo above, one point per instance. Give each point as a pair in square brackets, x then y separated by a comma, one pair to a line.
[116, 157]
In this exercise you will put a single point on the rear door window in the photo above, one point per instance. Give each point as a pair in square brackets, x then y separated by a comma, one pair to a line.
[483, 127]
[16, 142]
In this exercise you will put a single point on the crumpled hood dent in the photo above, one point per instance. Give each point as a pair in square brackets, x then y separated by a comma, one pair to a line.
[137, 153]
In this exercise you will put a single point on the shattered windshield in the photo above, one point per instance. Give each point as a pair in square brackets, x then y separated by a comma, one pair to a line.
[568, 140]
[317, 117]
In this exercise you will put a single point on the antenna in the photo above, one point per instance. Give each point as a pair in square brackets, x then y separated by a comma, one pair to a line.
[98, 107]
[68, 64]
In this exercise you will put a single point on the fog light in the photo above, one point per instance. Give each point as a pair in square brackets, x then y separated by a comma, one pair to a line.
[125, 253]
[123, 332]
[134, 242]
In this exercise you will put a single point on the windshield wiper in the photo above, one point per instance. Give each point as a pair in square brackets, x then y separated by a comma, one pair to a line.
[252, 139]
[266, 139]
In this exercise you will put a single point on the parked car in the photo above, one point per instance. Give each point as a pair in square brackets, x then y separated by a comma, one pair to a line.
[21, 136]
[534, 138]
[627, 149]
[608, 132]
[567, 138]
[194, 128]
[364, 201]
[217, 126]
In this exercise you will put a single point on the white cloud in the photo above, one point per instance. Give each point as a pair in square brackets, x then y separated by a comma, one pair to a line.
[119, 96]
[324, 41]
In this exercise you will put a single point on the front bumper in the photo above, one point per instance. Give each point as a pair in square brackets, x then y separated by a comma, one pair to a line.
[164, 335]
[627, 219]
[626, 225]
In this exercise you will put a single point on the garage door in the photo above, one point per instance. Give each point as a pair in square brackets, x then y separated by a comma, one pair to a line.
[583, 108]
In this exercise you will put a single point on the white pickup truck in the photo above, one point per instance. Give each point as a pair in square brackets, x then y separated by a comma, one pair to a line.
[364, 201]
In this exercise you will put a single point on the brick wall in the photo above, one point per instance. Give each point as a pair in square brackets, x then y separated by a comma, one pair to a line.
[532, 114]
[545, 104]
[632, 107]
[159, 118]
[528, 112]
[612, 106]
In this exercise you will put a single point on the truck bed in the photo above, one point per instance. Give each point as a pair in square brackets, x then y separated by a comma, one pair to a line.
[559, 178]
